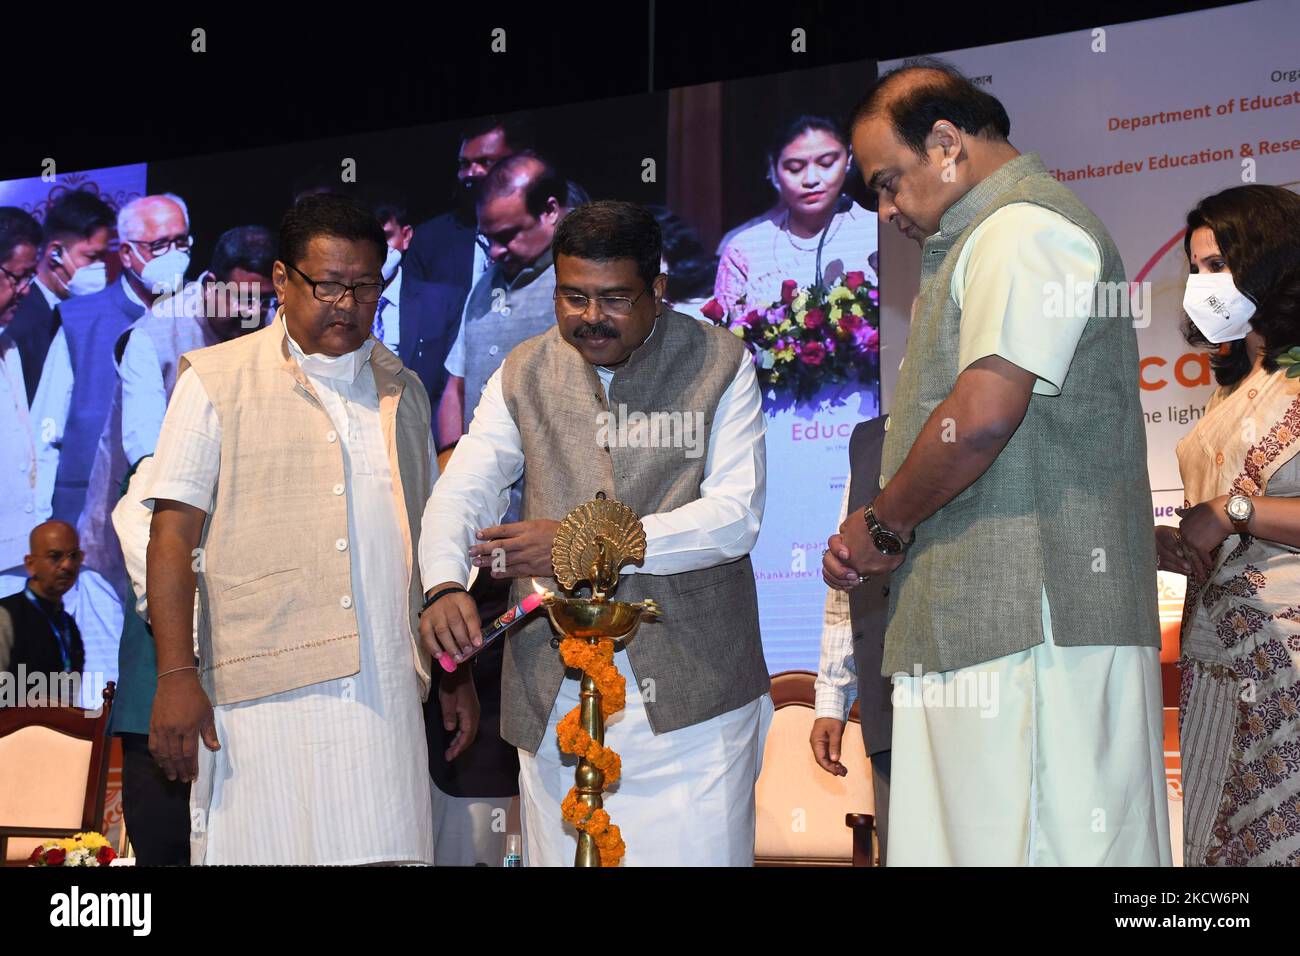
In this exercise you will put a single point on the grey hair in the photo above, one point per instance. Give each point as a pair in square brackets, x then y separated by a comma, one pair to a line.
[128, 212]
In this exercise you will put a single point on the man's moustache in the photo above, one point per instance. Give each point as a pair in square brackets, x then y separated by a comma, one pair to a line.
[593, 331]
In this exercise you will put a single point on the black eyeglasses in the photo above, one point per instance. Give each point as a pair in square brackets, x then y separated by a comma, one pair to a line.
[574, 303]
[19, 282]
[160, 246]
[364, 293]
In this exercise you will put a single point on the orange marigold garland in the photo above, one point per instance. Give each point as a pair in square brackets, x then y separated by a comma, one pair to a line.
[596, 660]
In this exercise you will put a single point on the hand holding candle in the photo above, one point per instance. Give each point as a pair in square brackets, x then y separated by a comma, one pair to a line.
[495, 629]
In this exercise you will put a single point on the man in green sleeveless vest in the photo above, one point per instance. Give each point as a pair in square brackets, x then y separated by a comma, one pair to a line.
[1014, 510]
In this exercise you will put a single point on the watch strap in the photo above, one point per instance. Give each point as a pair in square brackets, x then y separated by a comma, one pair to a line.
[875, 526]
[454, 589]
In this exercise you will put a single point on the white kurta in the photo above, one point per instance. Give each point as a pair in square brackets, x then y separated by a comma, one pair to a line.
[20, 510]
[335, 772]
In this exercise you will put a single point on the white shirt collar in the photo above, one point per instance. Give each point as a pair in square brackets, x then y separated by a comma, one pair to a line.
[393, 291]
[340, 368]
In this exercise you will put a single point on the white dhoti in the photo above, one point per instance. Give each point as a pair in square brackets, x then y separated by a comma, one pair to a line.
[469, 831]
[325, 774]
[1052, 756]
[685, 798]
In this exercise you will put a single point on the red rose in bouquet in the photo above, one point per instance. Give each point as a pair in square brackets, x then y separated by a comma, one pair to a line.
[55, 856]
[854, 279]
[812, 353]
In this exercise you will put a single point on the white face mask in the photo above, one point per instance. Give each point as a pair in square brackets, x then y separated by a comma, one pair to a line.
[1217, 307]
[342, 368]
[164, 274]
[92, 277]
[391, 262]
[89, 278]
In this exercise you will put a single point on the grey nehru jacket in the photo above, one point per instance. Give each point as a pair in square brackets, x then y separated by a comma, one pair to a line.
[1065, 506]
[499, 314]
[705, 656]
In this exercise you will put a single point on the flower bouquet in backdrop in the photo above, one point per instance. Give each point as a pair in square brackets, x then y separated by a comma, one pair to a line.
[813, 337]
[82, 849]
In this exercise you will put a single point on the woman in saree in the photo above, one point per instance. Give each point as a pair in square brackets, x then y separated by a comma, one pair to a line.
[1239, 537]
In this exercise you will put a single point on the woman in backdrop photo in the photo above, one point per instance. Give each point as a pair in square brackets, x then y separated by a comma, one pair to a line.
[814, 232]
[1239, 538]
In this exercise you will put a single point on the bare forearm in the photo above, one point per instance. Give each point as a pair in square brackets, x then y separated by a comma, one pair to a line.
[170, 581]
[960, 440]
[1275, 519]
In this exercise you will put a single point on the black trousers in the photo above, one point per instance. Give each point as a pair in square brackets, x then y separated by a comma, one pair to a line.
[490, 768]
[157, 810]
[880, 786]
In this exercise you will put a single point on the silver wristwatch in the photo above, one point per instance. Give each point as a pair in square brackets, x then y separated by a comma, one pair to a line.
[886, 541]
[1240, 509]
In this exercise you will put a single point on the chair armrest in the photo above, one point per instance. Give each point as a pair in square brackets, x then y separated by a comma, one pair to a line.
[7, 832]
[862, 825]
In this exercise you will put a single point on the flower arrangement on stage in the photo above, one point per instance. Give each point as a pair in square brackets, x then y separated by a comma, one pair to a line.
[597, 661]
[81, 849]
[812, 337]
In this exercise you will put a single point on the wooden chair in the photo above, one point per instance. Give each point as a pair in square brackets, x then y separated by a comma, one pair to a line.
[53, 774]
[799, 805]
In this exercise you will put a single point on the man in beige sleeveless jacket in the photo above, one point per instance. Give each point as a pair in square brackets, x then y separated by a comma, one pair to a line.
[661, 412]
[1014, 510]
[289, 479]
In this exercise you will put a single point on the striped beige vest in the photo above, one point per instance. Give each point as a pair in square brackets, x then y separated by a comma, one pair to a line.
[277, 608]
